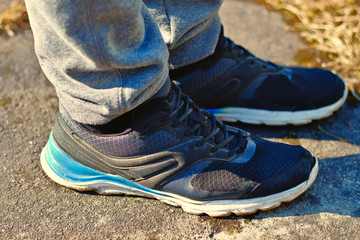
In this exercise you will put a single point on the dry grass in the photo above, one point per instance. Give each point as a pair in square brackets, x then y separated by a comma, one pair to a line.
[13, 18]
[332, 27]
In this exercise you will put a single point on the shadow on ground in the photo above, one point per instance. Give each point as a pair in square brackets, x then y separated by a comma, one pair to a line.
[343, 125]
[336, 190]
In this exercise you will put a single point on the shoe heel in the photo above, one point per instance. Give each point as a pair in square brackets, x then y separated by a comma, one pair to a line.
[69, 173]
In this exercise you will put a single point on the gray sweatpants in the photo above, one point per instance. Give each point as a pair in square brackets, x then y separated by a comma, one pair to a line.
[105, 57]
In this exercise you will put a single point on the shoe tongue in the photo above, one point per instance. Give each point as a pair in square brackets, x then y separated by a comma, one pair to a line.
[220, 136]
[196, 117]
[206, 130]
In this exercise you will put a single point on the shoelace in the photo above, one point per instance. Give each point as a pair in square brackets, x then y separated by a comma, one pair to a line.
[183, 111]
[244, 52]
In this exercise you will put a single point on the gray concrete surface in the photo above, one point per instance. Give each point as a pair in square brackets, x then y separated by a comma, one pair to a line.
[34, 207]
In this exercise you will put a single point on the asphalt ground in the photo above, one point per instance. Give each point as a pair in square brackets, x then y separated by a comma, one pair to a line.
[34, 207]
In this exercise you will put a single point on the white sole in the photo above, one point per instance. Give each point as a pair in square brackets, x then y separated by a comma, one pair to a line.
[214, 208]
[277, 118]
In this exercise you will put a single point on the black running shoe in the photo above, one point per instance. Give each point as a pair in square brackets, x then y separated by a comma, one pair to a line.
[237, 86]
[171, 150]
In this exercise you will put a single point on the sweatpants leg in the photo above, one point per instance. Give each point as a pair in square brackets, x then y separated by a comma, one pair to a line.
[190, 28]
[104, 57]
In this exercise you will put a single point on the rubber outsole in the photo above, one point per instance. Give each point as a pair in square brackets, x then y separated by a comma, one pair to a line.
[277, 118]
[71, 174]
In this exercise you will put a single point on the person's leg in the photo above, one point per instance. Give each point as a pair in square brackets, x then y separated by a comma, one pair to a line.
[230, 81]
[107, 59]
[190, 28]
[103, 57]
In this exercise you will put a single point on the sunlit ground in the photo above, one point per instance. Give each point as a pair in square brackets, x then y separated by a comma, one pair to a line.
[332, 28]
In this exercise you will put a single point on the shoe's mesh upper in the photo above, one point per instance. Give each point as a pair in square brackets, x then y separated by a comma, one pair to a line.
[307, 89]
[278, 89]
[270, 159]
[127, 144]
[324, 85]
[221, 180]
[207, 126]
[199, 79]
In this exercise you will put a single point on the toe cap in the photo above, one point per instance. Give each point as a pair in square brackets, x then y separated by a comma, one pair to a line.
[296, 175]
